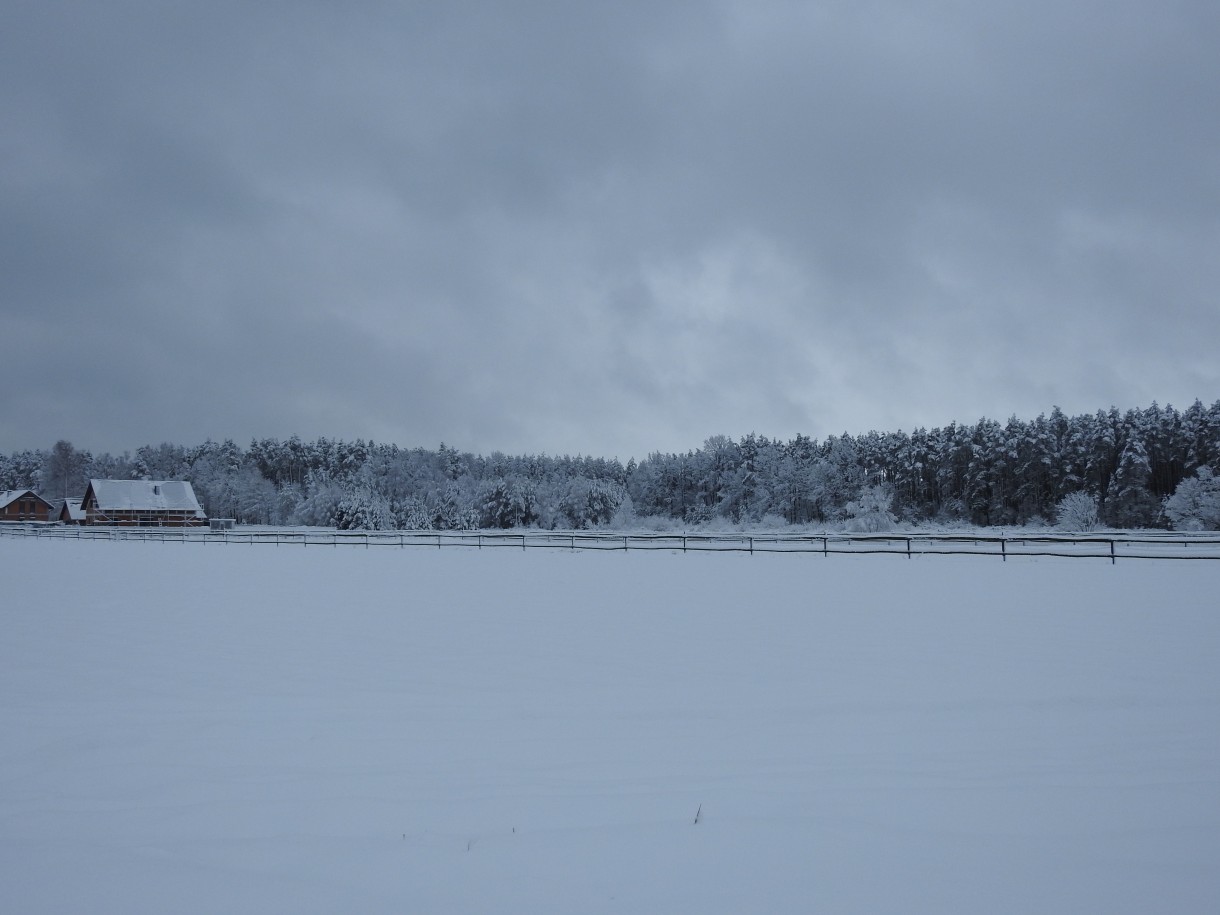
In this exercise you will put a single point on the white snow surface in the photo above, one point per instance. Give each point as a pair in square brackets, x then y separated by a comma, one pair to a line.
[197, 728]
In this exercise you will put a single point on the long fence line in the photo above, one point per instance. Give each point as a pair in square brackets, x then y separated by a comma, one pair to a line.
[1144, 545]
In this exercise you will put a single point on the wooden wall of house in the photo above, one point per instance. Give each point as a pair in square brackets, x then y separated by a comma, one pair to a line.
[27, 508]
[142, 519]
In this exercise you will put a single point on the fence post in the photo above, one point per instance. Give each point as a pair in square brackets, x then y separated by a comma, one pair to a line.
[1004, 549]
[751, 546]
[908, 548]
[683, 543]
[523, 542]
[1113, 559]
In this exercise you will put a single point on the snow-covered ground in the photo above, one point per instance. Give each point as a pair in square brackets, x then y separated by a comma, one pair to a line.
[250, 729]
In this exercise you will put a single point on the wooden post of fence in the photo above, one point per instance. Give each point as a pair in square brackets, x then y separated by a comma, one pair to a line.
[1113, 559]
[1004, 549]
[908, 548]
[825, 547]
[438, 541]
[751, 546]
[683, 543]
[523, 542]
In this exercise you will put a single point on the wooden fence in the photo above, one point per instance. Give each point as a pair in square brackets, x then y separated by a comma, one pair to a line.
[1111, 546]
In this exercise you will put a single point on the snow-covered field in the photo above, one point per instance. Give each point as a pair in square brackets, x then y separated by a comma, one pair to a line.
[250, 729]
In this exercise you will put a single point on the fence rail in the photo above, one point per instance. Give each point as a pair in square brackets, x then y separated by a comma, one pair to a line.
[1144, 545]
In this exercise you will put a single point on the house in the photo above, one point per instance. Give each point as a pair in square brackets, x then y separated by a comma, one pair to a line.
[71, 512]
[141, 502]
[24, 505]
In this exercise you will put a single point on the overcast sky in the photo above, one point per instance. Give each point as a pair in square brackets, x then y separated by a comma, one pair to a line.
[601, 228]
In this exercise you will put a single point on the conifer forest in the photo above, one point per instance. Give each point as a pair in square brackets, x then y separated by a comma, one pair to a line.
[1126, 465]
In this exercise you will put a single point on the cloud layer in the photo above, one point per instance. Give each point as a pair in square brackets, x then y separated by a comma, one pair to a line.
[535, 226]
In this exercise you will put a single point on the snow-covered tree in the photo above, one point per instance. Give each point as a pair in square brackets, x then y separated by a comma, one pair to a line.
[22, 470]
[1077, 511]
[361, 509]
[1130, 504]
[508, 503]
[1195, 504]
[320, 507]
[590, 503]
[163, 462]
[413, 514]
[65, 472]
[455, 510]
[871, 512]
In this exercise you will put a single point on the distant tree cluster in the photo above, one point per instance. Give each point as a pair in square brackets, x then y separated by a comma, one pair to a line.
[1141, 468]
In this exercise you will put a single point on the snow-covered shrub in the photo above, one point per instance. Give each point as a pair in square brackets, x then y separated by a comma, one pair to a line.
[661, 524]
[1077, 511]
[952, 512]
[717, 524]
[1195, 504]
[772, 522]
[870, 513]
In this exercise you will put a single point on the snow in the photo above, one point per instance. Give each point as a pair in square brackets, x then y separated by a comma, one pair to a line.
[254, 729]
[145, 495]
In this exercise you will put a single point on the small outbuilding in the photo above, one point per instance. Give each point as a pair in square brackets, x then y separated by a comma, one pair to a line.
[24, 505]
[71, 512]
[153, 503]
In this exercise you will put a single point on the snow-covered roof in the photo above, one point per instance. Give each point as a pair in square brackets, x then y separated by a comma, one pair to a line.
[12, 495]
[75, 512]
[145, 495]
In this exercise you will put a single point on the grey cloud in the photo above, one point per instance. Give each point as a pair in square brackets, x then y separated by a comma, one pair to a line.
[543, 226]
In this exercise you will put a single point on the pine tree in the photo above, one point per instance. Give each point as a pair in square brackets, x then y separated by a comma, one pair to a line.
[1129, 503]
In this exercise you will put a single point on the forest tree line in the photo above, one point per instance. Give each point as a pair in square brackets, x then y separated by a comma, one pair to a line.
[987, 473]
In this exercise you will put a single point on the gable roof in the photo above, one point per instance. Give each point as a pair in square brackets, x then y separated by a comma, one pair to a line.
[73, 509]
[145, 495]
[9, 496]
